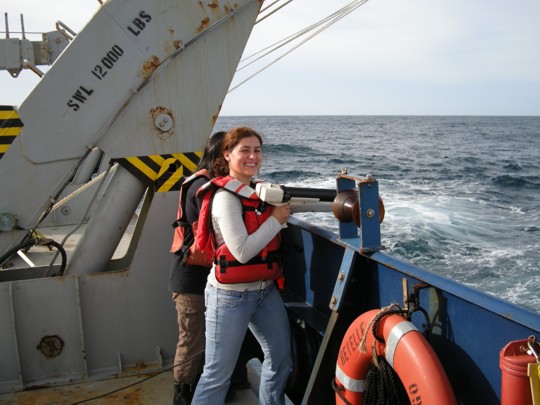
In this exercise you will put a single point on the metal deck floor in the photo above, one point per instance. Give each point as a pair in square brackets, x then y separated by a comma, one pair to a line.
[157, 390]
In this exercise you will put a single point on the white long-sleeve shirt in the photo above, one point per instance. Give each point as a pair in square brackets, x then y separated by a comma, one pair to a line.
[229, 228]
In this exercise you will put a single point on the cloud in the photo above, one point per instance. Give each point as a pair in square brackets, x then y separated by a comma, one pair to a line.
[385, 50]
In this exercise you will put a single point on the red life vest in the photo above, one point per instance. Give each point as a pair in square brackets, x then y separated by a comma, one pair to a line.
[266, 264]
[187, 248]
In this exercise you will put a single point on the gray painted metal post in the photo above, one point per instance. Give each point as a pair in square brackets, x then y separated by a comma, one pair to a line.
[108, 224]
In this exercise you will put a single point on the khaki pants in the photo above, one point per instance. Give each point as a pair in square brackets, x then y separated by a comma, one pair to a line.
[189, 359]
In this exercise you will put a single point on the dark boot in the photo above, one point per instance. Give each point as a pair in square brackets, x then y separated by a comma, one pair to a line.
[183, 394]
[231, 394]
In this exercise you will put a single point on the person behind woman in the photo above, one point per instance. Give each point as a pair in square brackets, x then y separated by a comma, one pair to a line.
[188, 274]
[241, 290]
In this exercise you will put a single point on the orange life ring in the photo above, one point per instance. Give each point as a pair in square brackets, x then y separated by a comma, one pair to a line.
[407, 352]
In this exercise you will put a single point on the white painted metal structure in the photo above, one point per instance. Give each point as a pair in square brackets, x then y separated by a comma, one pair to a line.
[133, 58]
[142, 78]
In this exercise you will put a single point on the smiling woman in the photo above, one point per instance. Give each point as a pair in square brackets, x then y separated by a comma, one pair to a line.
[242, 289]
[245, 157]
[460, 201]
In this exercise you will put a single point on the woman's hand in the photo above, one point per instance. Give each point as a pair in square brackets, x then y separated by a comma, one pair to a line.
[281, 213]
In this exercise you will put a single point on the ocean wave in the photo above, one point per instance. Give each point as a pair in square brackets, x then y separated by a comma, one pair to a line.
[285, 176]
[461, 193]
[513, 166]
[509, 181]
[289, 149]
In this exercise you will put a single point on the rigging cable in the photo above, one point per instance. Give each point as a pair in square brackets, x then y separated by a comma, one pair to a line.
[296, 35]
[270, 5]
[269, 14]
[323, 24]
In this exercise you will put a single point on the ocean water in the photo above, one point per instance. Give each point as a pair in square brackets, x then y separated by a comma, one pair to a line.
[462, 194]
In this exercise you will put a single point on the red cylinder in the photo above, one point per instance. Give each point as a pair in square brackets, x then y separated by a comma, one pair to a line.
[515, 384]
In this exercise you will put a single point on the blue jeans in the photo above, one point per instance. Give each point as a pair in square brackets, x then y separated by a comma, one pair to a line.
[228, 315]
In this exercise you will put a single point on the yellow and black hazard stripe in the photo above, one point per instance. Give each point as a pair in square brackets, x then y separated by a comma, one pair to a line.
[10, 127]
[162, 172]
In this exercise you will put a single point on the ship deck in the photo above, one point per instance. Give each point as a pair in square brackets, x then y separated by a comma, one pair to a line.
[155, 389]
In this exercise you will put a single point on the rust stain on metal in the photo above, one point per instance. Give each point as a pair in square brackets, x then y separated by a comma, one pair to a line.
[216, 115]
[178, 43]
[159, 113]
[154, 112]
[149, 66]
[140, 365]
[357, 179]
[228, 9]
[204, 23]
[213, 4]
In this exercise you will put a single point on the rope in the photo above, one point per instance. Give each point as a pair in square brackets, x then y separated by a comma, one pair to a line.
[383, 383]
[384, 386]
[393, 308]
[339, 391]
[427, 326]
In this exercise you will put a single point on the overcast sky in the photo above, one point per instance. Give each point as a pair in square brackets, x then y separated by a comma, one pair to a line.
[388, 57]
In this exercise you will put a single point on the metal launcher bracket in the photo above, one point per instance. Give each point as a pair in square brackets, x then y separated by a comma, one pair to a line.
[358, 205]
